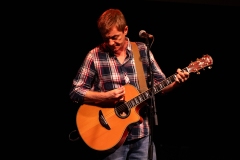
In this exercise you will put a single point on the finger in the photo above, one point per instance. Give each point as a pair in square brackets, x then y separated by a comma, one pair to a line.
[181, 73]
[184, 75]
[178, 79]
[179, 70]
[122, 91]
[122, 98]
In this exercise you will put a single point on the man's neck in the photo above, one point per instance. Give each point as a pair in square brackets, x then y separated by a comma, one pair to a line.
[122, 50]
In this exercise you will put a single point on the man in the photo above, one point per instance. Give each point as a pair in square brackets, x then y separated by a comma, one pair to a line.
[104, 73]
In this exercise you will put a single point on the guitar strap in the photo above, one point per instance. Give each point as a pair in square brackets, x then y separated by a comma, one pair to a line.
[139, 67]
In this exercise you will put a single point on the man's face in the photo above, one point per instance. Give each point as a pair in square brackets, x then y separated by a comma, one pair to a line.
[115, 39]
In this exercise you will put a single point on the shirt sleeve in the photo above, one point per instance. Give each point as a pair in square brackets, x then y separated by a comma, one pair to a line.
[83, 80]
[157, 71]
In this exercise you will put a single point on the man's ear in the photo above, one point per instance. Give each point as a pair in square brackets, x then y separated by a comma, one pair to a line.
[126, 30]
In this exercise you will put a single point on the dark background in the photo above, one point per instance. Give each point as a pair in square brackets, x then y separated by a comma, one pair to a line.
[196, 121]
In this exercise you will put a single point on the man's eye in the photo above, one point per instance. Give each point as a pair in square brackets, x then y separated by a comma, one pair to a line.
[112, 38]
[106, 39]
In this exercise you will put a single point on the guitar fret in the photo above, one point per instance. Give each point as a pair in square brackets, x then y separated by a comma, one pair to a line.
[129, 107]
[160, 86]
[139, 99]
[143, 95]
[132, 104]
[146, 94]
[164, 83]
[167, 81]
[129, 104]
[136, 101]
[155, 90]
[173, 78]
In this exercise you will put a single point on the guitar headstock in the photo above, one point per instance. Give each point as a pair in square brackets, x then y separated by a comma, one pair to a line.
[205, 61]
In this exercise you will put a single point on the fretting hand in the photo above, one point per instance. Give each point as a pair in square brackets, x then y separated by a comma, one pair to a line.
[181, 76]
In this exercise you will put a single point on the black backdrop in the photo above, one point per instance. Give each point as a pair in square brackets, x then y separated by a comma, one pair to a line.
[196, 121]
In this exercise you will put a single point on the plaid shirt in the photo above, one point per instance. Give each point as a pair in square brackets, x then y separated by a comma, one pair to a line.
[101, 71]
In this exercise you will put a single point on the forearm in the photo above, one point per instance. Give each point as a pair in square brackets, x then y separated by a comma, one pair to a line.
[170, 87]
[180, 77]
[95, 97]
[105, 97]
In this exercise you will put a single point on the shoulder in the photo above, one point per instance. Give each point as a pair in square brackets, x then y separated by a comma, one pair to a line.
[141, 45]
[99, 52]
[95, 51]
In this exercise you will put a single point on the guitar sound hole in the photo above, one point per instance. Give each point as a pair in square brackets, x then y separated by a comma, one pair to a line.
[121, 110]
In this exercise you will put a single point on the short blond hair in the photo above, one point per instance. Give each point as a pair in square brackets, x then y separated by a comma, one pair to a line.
[109, 19]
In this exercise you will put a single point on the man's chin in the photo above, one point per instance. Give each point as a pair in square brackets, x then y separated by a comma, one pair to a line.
[115, 49]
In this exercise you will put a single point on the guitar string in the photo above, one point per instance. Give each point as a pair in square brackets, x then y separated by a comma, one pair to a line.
[136, 101]
[159, 87]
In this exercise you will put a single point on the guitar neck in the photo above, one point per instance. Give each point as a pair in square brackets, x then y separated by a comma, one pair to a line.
[156, 89]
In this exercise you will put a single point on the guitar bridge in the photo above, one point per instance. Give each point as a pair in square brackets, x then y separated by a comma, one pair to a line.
[103, 121]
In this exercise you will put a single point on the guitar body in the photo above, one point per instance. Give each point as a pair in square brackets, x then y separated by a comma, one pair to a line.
[98, 137]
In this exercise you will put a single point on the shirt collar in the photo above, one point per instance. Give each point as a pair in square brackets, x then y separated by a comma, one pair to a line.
[129, 48]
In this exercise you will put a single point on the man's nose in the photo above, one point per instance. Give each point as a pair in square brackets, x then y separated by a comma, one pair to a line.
[111, 42]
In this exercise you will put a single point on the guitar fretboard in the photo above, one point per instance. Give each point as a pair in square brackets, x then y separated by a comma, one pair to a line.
[147, 94]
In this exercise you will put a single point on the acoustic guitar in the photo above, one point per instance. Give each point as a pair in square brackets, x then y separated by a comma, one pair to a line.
[104, 127]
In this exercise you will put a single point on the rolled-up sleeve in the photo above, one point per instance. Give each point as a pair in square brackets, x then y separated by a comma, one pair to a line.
[83, 80]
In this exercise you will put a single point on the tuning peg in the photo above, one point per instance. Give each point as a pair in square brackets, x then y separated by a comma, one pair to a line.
[209, 67]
